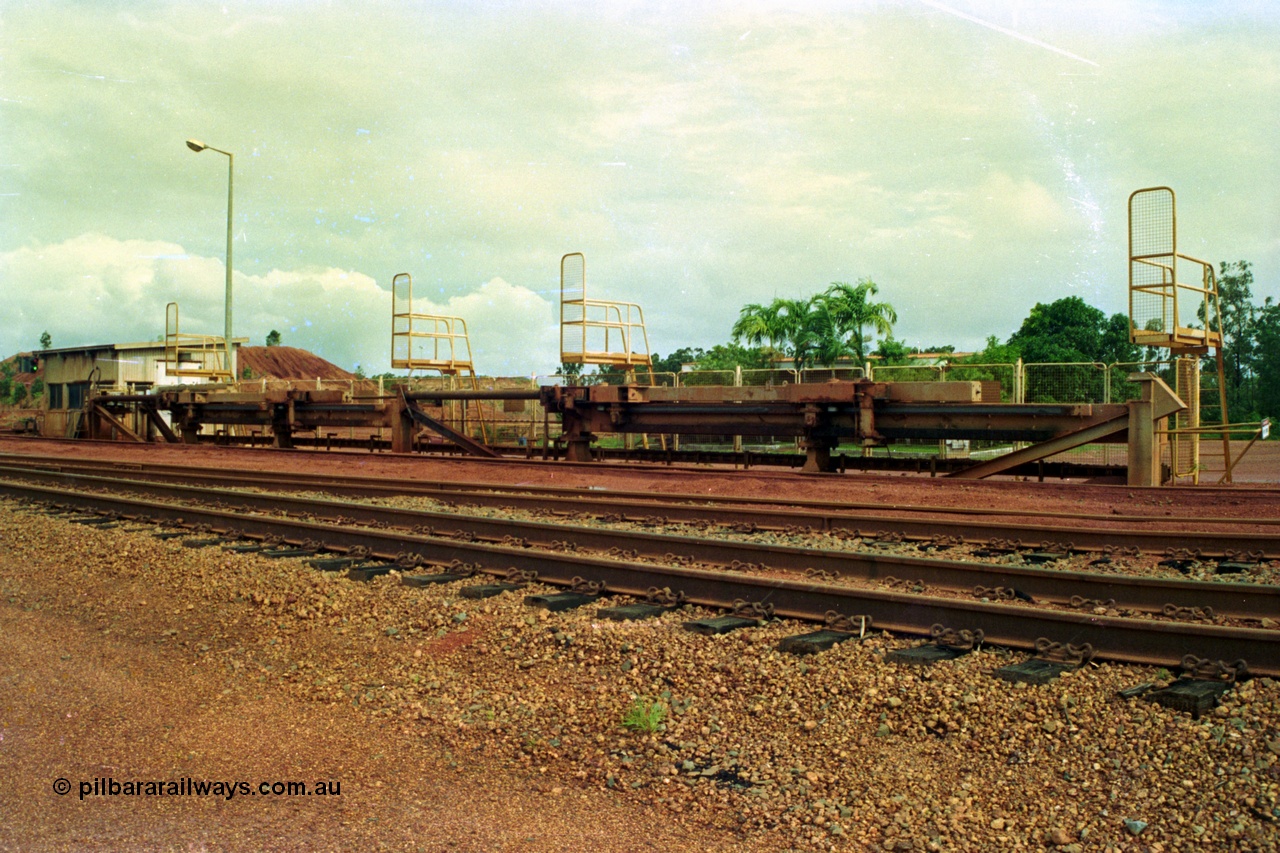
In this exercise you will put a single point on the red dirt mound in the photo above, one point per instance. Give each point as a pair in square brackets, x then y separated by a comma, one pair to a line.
[288, 363]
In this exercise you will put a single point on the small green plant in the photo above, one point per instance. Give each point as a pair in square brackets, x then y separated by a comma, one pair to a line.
[645, 715]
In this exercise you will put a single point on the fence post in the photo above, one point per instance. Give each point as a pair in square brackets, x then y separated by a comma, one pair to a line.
[675, 439]
[737, 383]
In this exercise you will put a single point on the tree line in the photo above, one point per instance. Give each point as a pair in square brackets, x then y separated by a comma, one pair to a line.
[841, 323]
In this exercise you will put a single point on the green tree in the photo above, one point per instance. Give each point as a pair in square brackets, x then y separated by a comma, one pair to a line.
[853, 315]
[1239, 348]
[1267, 363]
[676, 360]
[758, 323]
[780, 324]
[892, 351]
[799, 327]
[993, 352]
[273, 338]
[571, 369]
[46, 340]
[831, 325]
[1114, 345]
[1068, 330]
[730, 356]
[7, 371]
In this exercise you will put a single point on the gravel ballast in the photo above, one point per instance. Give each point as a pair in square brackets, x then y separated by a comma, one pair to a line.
[455, 724]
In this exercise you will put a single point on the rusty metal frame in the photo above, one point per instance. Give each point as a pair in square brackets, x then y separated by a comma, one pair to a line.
[579, 315]
[1179, 339]
[438, 331]
[200, 349]
[1175, 334]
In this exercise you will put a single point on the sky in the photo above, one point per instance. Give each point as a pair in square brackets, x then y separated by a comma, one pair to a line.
[971, 158]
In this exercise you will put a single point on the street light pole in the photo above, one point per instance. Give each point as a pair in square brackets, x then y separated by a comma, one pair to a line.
[197, 147]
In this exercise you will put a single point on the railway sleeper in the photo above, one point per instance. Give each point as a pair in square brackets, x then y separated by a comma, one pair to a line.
[432, 578]
[208, 543]
[1235, 567]
[516, 579]
[1051, 660]
[286, 553]
[839, 628]
[1201, 686]
[106, 522]
[336, 564]
[946, 644]
[489, 590]
[558, 601]
[743, 614]
[581, 592]
[633, 612]
[721, 624]
[657, 602]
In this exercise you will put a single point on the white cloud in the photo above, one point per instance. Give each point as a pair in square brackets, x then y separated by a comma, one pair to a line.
[513, 331]
[768, 151]
[94, 289]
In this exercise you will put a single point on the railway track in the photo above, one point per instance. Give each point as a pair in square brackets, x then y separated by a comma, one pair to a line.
[501, 548]
[1232, 600]
[975, 525]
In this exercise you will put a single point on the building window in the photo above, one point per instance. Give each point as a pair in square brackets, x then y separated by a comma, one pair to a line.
[55, 396]
[76, 394]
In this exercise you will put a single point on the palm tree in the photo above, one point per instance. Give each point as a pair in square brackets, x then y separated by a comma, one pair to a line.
[853, 313]
[779, 323]
[756, 323]
[827, 331]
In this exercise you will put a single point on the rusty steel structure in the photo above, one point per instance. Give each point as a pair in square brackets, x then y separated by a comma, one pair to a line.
[598, 331]
[868, 413]
[1169, 309]
[1240, 599]
[1029, 529]
[188, 355]
[820, 415]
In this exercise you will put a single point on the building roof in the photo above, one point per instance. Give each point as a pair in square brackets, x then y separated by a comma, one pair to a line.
[238, 342]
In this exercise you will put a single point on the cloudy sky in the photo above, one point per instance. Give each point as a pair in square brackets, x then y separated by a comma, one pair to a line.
[972, 158]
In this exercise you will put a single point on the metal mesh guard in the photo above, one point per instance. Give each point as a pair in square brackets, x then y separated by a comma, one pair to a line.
[1151, 222]
[1152, 247]
[573, 276]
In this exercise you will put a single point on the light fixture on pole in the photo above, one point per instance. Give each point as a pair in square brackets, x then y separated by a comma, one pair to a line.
[197, 146]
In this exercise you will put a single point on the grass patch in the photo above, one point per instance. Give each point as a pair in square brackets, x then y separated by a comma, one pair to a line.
[645, 715]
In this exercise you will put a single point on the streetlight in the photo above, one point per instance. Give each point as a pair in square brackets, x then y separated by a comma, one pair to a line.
[197, 146]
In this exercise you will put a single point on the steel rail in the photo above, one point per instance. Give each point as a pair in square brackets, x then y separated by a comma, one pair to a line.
[1120, 639]
[1236, 600]
[694, 508]
[1271, 491]
[356, 485]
